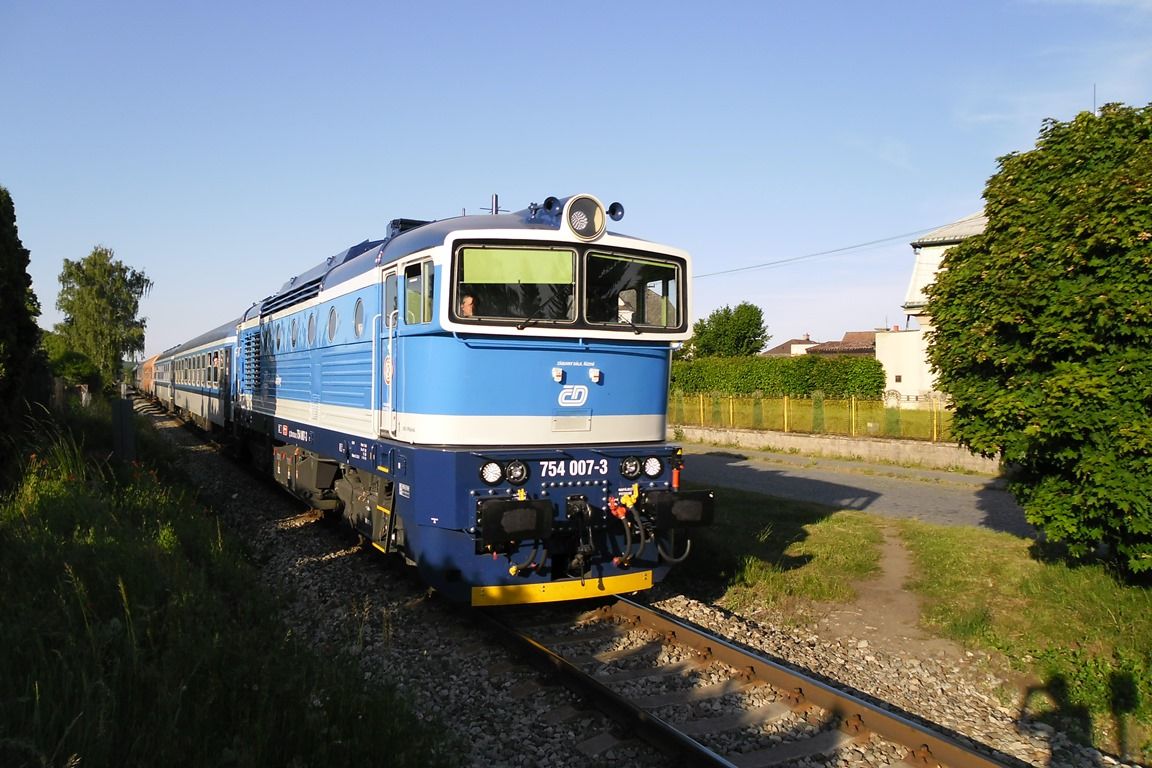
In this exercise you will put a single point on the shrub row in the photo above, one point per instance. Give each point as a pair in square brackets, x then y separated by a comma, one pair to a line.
[800, 376]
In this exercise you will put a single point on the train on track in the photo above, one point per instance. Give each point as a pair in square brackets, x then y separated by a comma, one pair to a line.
[485, 395]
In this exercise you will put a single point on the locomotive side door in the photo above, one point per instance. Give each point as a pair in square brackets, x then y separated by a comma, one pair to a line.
[386, 342]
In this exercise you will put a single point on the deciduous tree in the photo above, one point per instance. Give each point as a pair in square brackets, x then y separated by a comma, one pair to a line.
[728, 332]
[1043, 331]
[100, 298]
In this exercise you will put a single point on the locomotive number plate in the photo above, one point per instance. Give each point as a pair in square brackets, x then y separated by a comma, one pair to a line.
[574, 468]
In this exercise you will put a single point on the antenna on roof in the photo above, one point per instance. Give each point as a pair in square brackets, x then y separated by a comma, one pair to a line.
[495, 209]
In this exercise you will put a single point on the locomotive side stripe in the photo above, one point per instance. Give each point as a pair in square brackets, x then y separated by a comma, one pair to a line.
[428, 429]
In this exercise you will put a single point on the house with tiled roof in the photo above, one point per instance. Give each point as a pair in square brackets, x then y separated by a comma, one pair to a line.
[854, 344]
[904, 353]
[790, 348]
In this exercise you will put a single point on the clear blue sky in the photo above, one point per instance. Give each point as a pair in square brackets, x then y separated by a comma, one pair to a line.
[221, 147]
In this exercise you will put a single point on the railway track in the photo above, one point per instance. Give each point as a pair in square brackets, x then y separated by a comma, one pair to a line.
[711, 703]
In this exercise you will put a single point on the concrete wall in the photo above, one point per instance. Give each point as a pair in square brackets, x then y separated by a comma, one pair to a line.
[905, 452]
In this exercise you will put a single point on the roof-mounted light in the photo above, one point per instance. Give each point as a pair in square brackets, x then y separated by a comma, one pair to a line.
[584, 215]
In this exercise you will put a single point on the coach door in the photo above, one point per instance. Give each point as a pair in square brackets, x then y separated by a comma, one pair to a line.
[224, 383]
[386, 357]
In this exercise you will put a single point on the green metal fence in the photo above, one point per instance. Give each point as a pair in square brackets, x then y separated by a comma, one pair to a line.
[852, 417]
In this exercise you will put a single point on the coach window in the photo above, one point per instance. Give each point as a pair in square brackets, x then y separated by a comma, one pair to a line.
[312, 329]
[358, 318]
[293, 333]
[333, 323]
[279, 336]
[418, 293]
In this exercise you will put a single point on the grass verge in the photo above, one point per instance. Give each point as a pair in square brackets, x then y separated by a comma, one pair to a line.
[134, 633]
[1084, 636]
[780, 554]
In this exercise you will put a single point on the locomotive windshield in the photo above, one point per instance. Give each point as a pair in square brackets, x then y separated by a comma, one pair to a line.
[541, 286]
[631, 290]
[517, 283]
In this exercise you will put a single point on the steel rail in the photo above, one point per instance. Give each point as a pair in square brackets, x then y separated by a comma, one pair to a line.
[652, 729]
[858, 716]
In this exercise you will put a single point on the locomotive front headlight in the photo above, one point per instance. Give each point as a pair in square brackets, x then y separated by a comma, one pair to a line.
[516, 472]
[653, 466]
[630, 467]
[585, 218]
[491, 473]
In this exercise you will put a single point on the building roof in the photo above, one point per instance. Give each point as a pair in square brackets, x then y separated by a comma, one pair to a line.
[853, 343]
[950, 234]
[785, 349]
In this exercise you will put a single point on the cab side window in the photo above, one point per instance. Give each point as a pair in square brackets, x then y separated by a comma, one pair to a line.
[390, 301]
[418, 285]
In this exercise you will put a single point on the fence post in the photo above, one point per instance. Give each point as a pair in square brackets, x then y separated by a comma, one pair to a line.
[701, 409]
[932, 400]
[785, 413]
[731, 412]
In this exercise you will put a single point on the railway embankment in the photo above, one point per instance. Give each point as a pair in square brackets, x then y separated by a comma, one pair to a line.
[906, 452]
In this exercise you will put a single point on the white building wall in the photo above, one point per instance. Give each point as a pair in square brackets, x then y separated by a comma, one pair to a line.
[904, 355]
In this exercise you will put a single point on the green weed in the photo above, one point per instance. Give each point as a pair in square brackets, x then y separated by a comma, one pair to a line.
[133, 634]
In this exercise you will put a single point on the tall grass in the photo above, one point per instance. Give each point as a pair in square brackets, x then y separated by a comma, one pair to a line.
[133, 634]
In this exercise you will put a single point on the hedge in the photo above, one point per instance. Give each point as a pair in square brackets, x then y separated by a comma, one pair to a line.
[798, 376]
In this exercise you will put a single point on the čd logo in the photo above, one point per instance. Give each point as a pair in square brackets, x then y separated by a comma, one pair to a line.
[573, 396]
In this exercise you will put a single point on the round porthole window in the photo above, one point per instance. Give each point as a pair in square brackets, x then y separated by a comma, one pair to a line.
[358, 320]
[311, 328]
[333, 323]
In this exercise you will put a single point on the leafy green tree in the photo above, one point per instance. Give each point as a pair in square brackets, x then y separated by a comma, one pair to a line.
[67, 364]
[728, 332]
[100, 298]
[19, 334]
[1043, 331]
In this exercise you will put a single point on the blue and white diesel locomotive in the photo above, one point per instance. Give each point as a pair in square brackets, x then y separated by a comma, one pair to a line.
[486, 395]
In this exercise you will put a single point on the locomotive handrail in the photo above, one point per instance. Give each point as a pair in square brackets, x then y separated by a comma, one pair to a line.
[375, 361]
[393, 320]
